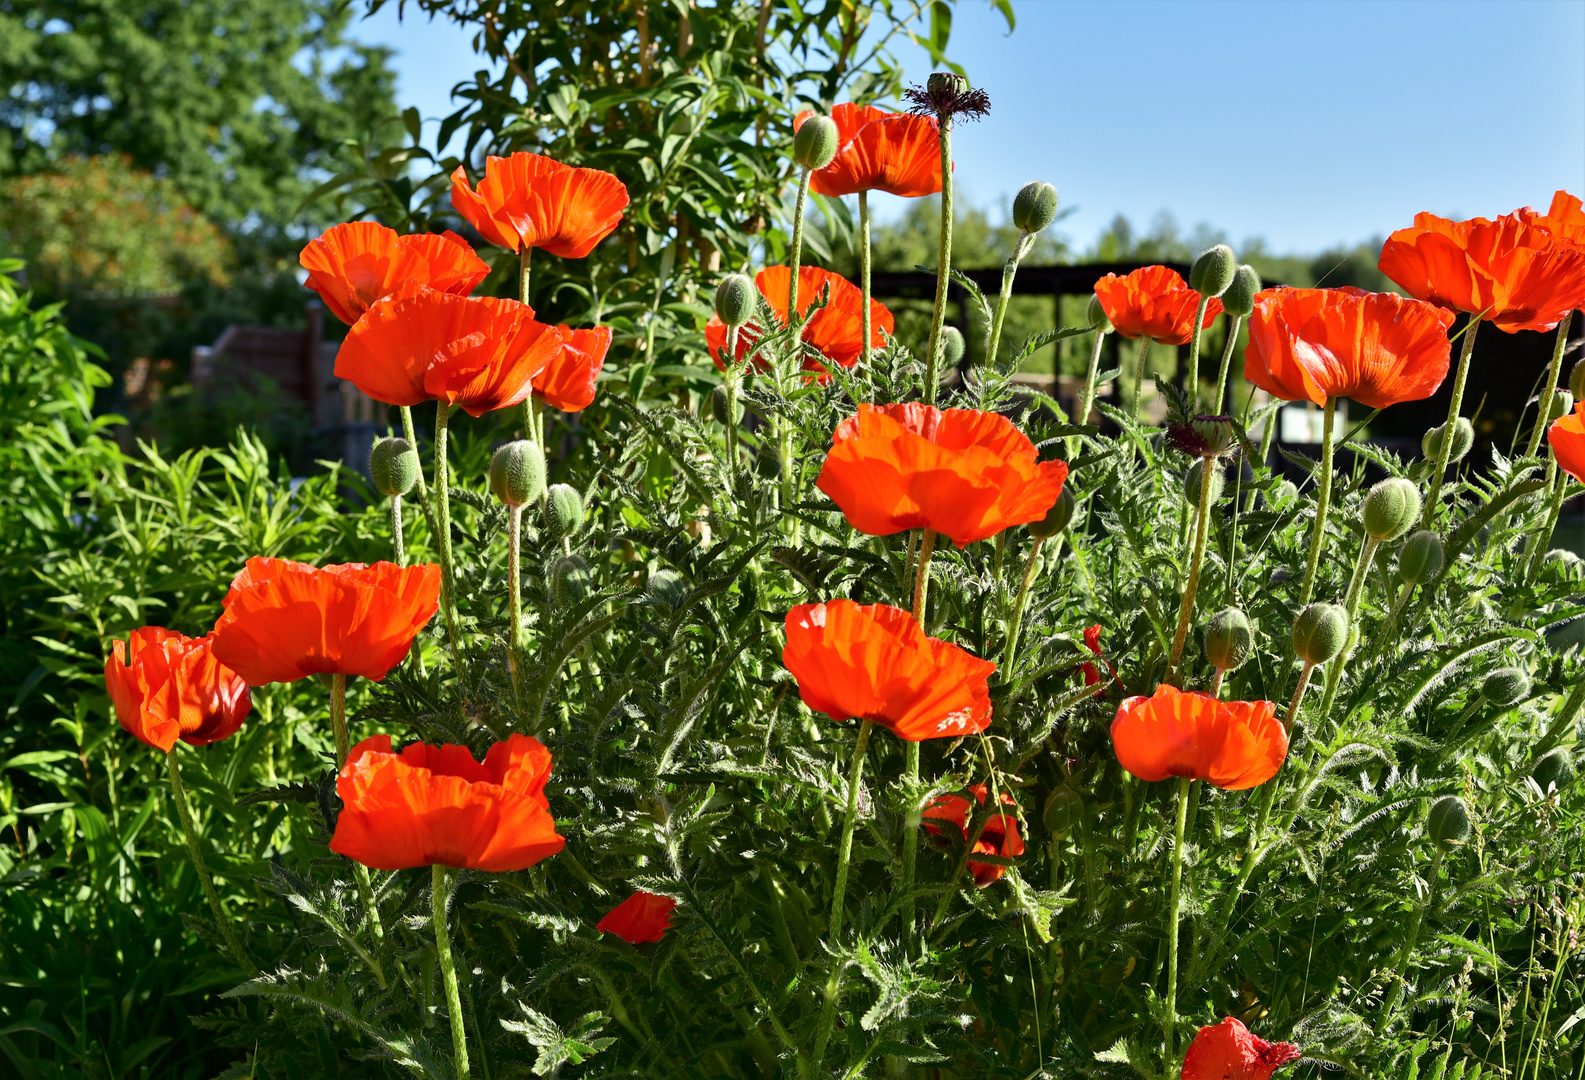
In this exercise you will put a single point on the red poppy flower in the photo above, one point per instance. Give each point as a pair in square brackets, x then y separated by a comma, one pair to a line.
[876, 663]
[1516, 275]
[421, 345]
[642, 917]
[1153, 302]
[1092, 675]
[1231, 744]
[531, 201]
[1377, 348]
[568, 381]
[284, 621]
[1565, 218]
[354, 266]
[999, 837]
[436, 804]
[898, 153]
[836, 331]
[1230, 1051]
[965, 474]
[167, 687]
[1567, 438]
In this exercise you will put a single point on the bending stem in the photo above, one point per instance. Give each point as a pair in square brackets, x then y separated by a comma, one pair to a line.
[222, 921]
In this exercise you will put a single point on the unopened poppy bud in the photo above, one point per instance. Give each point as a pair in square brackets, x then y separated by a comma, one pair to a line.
[1554, 769]
[1035, 206]
[667, 587]
[1562, 405]
[1560, 564]
[1463, 440]
[1056, 518]
[569, 580]
[1284, 491]
[1213, 271]
[1319, 633]
[1191, 483]
[1063, 811]
[947, 82]
[952, 346]
[517, 473]
[1391, 507]
[1576, 381]
[1229, 639]
[393, 465]
[564, 510]
[734, 299]
[723, 409]
[816, 142]
[1239, 299]
[1420, 558]
[1448, 821]
[1096, 316]
[1506, 686]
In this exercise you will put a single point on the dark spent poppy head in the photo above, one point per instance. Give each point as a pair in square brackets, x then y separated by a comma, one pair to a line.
[948, 97]
[1203, 436]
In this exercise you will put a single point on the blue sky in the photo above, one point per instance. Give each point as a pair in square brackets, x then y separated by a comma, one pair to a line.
[1308, 122]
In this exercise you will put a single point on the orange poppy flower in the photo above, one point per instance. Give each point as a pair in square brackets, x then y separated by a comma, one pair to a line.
[1230, 1051]
[354, 266]
[527, 200]
[898, 153]
[1565, 218]
[433, 805]
[1567, 439]
[1377, 348]
[1231, 744]
[1516, 275]
[284, 620]
[876, 663]
[642, 917]
[567, 382]
[836, 331]
[167, 687]
[999, 837]
[418, 345]
[965, 474]
[1153, 302]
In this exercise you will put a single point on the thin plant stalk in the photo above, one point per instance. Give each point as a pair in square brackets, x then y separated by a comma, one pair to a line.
[1389, 631]
[1009, 271]
[731, 394]
[1298, 696]
[864, 277]
[514, 597]
[411, 436]
[1170, 1018]
[523, 255]
[1234, 322]
[1323, 502]
[398, 547]
[1552, 372]
[222, 920]
[797, 247]
[1445, 451]
[927, 546]
[833, 987]
[1191, 373]
[439, 895]
[1015, 624]
[1139, 377]
[1266, 436]
[943, 262]
[1201, 529]
[1087, 402]
[1543, 540]
[360, 873]
[1334, 670]
[443, 525]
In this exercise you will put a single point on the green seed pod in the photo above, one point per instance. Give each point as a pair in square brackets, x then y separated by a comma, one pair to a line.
[1213, 270]
[1063, 811]
[569, 580]
[1056, 518]
[1576, 381]
[1284, 491]
[1035, 206]
[1191, 483]
[1095, 314]
[1229, 639]
[1463, 440]
[393, 465]
[1447, 822]
[1420, 558]
[517, 473]
[1391, 507]
[947, 82]
[1554, 770]
[816, 142]
[952, 346]
[1319, 633]
[723, 410]
[564, 510]
[1561, 565]
[1239, 299]
[1562, 405]
[1506, 686]
[735, 299]
[666, 587]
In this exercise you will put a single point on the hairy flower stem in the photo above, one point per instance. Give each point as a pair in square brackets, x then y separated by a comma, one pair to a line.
[1445, 451]
[1219, 402]
[523, 255]
[1400, 962]
[412, 440]
[1170, 1018]
[797, 247]
[1266, 437]
[1323, 502]
[927, 546]
[1087, 402]
[439, 895]
[833, 990]
[397, 546]
[994, 337]
[1334, 670]
[222, 920]
[1191, 372]
[1547, 392]
[514, 600]
[1139, 377]
[360, 873]
[1201, 528]
[1389, 631]
[864, 277]
[1298, 697]
[731, 398]
[1031, 564]
[1543, 539]
[943, 262]
[443, 527]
